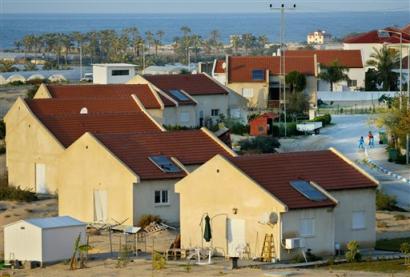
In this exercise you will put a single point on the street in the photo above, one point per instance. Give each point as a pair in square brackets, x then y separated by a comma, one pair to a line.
[344, 136]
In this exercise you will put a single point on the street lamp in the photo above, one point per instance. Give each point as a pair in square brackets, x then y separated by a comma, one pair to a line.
[401, 61]
[282, 71]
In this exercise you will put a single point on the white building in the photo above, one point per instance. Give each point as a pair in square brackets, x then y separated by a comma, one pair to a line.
[318, 37]
[367, 42]
[42, 240]
[113, 73]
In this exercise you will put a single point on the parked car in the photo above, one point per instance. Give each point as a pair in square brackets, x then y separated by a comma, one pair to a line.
[88, 77]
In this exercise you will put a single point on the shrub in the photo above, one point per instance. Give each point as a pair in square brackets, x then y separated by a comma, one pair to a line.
[158, 261]
[400, 217]
[236, 126]
[179, 128]
[352, 253]
[35, 81]
[385, 202]
[147, 219]
[259, 145]
[31, 92]
[326, 119]
[16, 193]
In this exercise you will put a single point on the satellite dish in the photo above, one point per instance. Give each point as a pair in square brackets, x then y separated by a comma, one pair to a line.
[268, 218]
[84, 110]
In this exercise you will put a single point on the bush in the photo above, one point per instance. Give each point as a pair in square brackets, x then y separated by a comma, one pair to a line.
[326, 119]
[278, 130]
[158, 261]
[147, 219]
[352, 253]
[259, 145]
[385, 202]
[17, 194]
[179, 128]
[31, 92]
[35, 81]
[236, 126]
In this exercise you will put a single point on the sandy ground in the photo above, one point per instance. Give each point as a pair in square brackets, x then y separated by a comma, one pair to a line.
[143, 268]
[8, 96]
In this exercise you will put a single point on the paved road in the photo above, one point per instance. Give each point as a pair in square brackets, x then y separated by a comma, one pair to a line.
[344, 136]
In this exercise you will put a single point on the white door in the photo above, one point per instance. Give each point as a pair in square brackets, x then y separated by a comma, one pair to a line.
[236, 236]
[41, 178]
[100, 205]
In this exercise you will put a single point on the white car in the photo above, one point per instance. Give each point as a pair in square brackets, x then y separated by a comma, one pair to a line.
[88, 77]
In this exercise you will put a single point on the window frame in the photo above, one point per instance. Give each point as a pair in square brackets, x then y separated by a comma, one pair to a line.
[247, 92]
[184, 117]
[215, 112]
[257, 72]
[119, 71]
[163, 194]
[313, 223]
[360, 227]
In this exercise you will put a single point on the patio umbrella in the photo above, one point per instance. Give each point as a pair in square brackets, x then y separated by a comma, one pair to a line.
[207, 231]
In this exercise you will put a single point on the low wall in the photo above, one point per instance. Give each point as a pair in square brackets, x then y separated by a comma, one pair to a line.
[353, 96]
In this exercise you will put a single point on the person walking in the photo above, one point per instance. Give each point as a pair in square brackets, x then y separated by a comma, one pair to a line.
[361, 143]
[371, 139]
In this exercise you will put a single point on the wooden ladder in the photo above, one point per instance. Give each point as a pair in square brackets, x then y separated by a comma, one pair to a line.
[268, 249]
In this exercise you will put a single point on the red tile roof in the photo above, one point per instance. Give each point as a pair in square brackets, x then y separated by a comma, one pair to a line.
[219, 66]
[193, 147]
[59, 106]
[240, 67]
[348, 58]
[143, 92]
[406, 29]
[325, 168]
[193, 84]
[374, 37]
[63, 119]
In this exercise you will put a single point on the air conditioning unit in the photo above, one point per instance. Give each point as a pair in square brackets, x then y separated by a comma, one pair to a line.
[294, 243]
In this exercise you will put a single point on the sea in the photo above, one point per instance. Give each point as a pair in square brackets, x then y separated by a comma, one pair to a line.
[297, 24]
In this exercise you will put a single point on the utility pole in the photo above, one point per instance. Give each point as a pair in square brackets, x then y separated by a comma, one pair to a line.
[408, 101]
[81, 62]
[282, 67]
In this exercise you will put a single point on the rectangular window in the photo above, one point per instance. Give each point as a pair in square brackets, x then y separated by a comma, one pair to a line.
[352, 83]
[358, 220]
[307, 227]
[184, 117]
[161, 197]
[258, 75]
[120, 72]
[215, 112]
[247, 92]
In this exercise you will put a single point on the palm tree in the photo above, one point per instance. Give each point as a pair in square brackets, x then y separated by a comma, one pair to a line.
[334, 73]
[262, 41]
[235, 42]
[248, 41]
[384, 60]
[7, 66]
[149, 37]
[18, 44]
[67, 43]
[185, 30]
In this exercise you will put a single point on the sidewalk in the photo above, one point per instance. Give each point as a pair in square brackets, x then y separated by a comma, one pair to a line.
[379, 156]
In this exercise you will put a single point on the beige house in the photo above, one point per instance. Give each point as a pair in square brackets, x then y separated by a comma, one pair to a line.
[257, 78]
[307, 200]
[318, 37]
[120, 177]
[163, 109]
[210, 97]
[39, 131]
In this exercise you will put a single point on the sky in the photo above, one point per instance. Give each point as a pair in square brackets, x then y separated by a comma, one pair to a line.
[192, 6]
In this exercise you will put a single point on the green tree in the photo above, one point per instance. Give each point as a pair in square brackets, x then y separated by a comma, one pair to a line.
[248, 42]
[296, 81]
[333, 73]
[384, 60]
[7, 66]
[236, 43]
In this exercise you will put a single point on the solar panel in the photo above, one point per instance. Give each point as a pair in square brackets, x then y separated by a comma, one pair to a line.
[308, 190]
[178, 95]
[165, 164]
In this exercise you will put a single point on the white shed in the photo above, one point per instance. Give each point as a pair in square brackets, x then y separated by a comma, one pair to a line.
[113, 73]
[42, 240]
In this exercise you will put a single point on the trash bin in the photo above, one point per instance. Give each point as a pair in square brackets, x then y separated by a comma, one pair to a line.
[392, 154]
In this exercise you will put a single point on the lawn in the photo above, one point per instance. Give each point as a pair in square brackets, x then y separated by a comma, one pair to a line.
[391, 244]
[390, 266]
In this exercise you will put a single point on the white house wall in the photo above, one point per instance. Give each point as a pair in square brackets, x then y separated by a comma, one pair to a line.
[349, 202]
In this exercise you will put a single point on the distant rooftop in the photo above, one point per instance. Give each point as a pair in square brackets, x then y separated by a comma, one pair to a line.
[114, 64]
[55, 222]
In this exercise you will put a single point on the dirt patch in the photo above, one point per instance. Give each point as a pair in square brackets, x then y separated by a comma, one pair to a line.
[392, 224]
